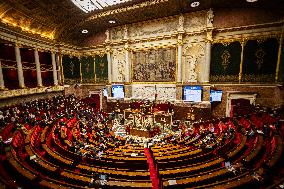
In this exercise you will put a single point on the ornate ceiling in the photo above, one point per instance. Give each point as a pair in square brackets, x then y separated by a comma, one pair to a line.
[62, 21]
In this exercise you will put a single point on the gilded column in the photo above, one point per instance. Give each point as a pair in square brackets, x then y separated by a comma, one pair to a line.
[54, 70]
[38, 71]
[278, 58]
[19, 66]
[109, 70]
[61, 75]
[127, 64]
[206, 71]
[209, 38]
[2, 84]
[59, 79]
[180, 68]
[242, 61]
[179, 62]
[81, 76]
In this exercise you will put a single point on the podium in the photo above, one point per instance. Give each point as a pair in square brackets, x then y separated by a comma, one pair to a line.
[139, 133]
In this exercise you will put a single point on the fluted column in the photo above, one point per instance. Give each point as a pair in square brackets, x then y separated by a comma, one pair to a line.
[59, 79]
[2, 84]
[127, 64]
[279, 58]
[60, 66]
[206, 71]
[179, 72]
[242, 62]
[19, 66]
[38, 71]
[54, 70]
[109, 65]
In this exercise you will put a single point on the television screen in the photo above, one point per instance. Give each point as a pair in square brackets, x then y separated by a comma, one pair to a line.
[117, 91]
[105, 92]
[215, 96]
[192, 93]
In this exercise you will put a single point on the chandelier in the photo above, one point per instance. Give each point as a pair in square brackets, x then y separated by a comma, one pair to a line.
[90, 5]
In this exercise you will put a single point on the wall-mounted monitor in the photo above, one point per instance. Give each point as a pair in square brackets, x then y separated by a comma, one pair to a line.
[117, 91]
[192, 93]
[216, 95]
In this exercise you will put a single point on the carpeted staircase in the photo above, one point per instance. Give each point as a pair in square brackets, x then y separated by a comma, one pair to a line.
[154, 173]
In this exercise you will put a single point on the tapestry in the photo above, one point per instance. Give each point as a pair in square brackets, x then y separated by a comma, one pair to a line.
[225, 62]
[87, 68]
[71, 69]
[260, 60]
[101, 67]
[158, 65]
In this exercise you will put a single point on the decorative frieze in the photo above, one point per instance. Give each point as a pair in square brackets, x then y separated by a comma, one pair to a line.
[28, 91]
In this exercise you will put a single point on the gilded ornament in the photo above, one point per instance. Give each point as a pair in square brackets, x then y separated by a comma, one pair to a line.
[259, 54]
[225, 59]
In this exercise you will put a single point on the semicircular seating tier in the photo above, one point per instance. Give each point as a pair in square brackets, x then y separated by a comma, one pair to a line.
[49, 153]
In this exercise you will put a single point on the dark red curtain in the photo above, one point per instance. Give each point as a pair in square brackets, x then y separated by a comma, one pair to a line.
[47, 78]
[7, 52]
[46, 67]
[10, 78]
[29, 67]
[9, 66]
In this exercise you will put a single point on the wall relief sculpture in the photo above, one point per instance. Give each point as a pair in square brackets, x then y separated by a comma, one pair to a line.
[154, 27]
[117, 33]
[193, 58]
[118, 60]
[195, 21]
[157, 65]
[143, 92]
[149, 92]
[166, 93]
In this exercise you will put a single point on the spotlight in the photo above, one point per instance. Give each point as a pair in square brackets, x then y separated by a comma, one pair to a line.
[195, 4]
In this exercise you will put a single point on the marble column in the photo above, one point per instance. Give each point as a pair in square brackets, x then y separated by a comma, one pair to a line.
[38, 71]
[19, 67]
[109, 70]
[54, 70]
[58, 68]
[206, 71]
[127, 63]
[2, 85]
[179, 71]
[127, 66]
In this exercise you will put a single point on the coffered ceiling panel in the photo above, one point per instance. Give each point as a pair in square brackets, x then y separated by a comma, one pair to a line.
[62, 21]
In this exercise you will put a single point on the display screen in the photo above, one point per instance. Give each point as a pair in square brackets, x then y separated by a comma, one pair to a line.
[215, 96]
[192, 93]
[117, 91]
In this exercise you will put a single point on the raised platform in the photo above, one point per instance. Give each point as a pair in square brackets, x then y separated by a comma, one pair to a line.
[140, 133]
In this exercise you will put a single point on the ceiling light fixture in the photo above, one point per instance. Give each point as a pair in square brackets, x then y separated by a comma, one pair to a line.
[195, 4]
[112, 21]
[251, 1]
[84, 31]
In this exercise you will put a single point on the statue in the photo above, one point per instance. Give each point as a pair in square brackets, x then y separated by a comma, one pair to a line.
[210, 17]
[125, 32]
[180, 23]
[107, 36]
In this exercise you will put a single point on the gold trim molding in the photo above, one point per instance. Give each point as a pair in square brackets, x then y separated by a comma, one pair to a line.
[125, 9]
[29, 91]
